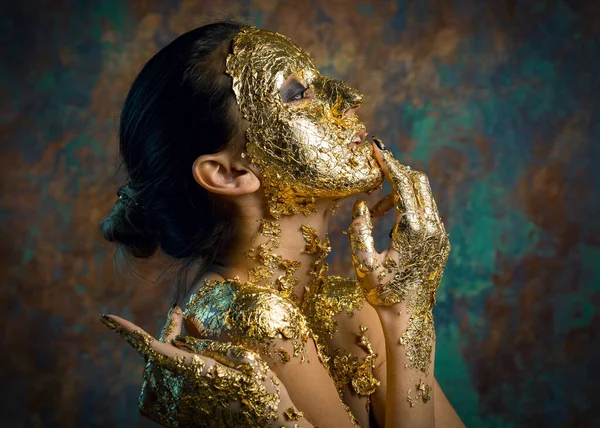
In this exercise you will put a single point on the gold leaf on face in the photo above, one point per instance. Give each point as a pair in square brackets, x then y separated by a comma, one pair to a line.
[303, 150]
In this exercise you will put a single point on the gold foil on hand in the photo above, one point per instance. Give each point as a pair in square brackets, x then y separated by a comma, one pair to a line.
[212, 395]
[412, 269]
[187, 392]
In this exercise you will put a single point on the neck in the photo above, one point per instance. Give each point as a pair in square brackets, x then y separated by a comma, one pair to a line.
[285, 254]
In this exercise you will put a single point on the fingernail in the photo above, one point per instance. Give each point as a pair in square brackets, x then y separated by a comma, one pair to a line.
[110, 323]
[174, 311]
[379, 144]
[360, 208]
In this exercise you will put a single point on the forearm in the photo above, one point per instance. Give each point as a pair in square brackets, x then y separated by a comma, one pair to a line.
[410, 393]
[445, 415]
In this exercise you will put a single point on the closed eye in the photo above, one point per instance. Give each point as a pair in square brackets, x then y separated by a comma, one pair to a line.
[294, 92]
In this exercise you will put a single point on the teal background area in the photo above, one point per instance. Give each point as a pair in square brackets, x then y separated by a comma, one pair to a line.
[497, 101]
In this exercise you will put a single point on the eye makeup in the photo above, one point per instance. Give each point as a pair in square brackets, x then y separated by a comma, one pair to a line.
[294, 91]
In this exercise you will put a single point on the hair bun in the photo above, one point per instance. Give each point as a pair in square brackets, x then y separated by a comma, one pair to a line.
[127, 225]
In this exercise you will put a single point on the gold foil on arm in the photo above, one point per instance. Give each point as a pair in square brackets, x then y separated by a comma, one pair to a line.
[421, 392]
[336, 294]
[349, 370]
[293, 414]
[302, 148]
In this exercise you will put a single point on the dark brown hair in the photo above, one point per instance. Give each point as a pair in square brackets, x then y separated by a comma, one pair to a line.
[180, 106]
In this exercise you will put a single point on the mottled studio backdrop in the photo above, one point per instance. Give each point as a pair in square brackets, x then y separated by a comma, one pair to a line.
[497, 101]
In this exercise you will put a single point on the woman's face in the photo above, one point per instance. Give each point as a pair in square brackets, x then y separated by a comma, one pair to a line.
[303, 136]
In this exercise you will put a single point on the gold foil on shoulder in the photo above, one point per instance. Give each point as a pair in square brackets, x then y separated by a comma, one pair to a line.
[207, 309]
[261, 314]
[250, 315]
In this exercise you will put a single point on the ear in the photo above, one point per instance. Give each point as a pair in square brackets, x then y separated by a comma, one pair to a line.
[223, 174]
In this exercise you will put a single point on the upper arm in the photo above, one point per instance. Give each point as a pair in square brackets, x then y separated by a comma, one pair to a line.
[347, 341]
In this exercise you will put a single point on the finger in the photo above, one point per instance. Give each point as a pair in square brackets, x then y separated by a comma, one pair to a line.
[427, 207]
[172, 327]
[383, 206]
[402, 188]
[225, 353]
[140, 340]
[364, 256]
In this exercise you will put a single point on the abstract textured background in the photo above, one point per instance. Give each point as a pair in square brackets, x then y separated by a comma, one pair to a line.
[497, 101]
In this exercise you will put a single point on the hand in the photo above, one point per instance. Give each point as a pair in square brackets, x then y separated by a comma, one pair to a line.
[415, 260]
[402, 281]
[194, 382]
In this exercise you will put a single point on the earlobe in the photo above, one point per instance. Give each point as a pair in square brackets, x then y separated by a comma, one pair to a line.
[220, 174]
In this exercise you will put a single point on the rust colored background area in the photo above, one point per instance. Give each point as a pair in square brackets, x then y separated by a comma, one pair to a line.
[497, 101]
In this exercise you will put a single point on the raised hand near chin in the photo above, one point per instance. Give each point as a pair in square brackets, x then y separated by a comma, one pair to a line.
[405, 276]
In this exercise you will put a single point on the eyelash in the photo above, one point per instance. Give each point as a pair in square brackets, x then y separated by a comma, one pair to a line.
[301, 95]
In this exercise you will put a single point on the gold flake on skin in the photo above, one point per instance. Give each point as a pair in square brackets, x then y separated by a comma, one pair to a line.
[302, 147]
[268, 262]
[324, 299]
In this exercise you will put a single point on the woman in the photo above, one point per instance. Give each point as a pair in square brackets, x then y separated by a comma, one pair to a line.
[237, 150]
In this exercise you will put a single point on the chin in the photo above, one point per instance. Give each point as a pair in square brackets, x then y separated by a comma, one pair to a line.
[367, 184]
[374, 180]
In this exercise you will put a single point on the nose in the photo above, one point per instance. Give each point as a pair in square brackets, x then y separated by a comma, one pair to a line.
[345, 99]
[352, 100]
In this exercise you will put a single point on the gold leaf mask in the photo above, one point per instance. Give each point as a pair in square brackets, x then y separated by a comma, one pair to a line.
[302, 147]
